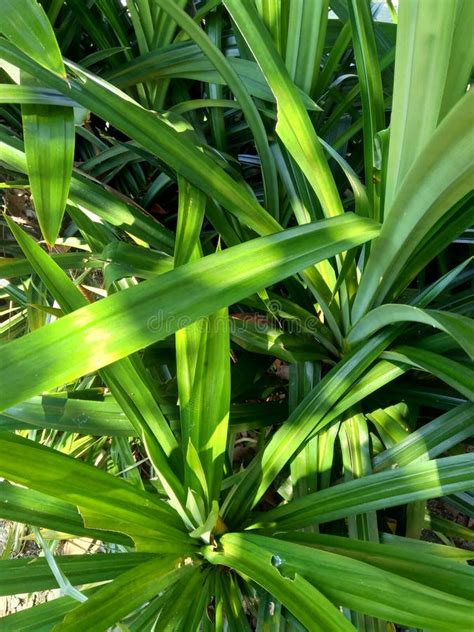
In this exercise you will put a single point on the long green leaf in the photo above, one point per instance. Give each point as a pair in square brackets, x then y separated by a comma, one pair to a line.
[194, 290]
[15, 267]
[185, 60]
[90, 195]
[294, 126]
[459, 376]
[243, 553]
[159, 134]
[459, 327]
[113, 501]
[440, 176]
[26, 23]
[444, 574]
[421, 480]
[307, 23]
[41, 617]
[121, 597]
[126, 379]
[314, 411]
[30, 507]
[240, 91]
[424, 41]
[431, 440]
[347, 582]
[49, 135]
[106, 417]
[31, 574]
[371, 90]
[48, 129]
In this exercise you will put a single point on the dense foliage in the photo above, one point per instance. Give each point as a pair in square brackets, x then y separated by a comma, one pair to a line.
[236, 324]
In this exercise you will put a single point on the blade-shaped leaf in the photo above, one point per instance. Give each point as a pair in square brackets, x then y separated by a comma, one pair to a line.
[90, 195]
[439, 177]
[31, 574]
[294, 126]
[192, 291]
[428, 569]
[459, 376]
[129, 591]
[163, 136]
[49, 135]
[113, 501]
[421, 480]
[243, 553]
[26, 23]
[431, 440]
[423, 44]
[48, 129]
[365, 588]
[459, 327]
[34, 508]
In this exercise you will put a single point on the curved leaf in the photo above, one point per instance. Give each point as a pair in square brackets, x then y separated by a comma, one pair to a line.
[32, 574]
[459, 376]
[162, 135]
[244, 553]
[442, 573]
[458, 327]
[345, 581]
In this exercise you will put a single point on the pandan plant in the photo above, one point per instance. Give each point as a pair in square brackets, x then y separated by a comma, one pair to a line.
[236, 333]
